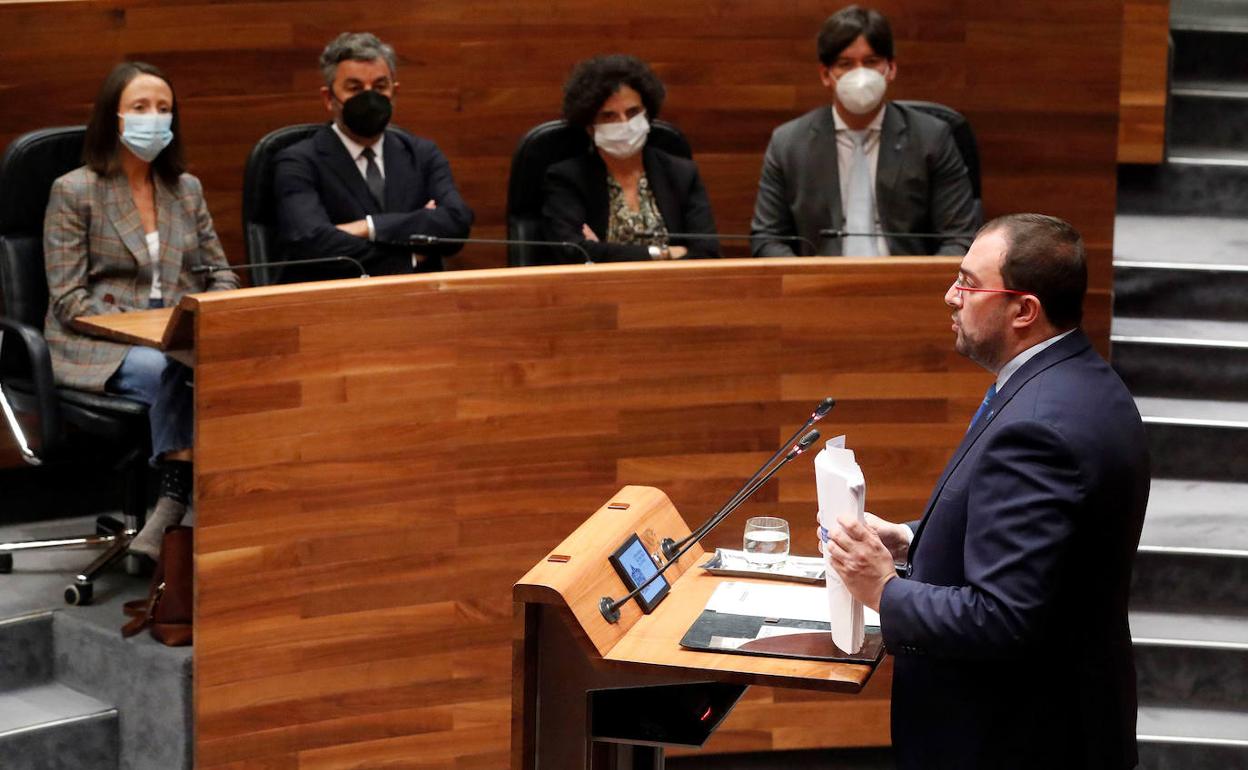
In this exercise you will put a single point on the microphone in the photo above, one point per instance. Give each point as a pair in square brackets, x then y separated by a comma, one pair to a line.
[670, 547]
[610, 608]
[835, 233]
[723, 237]
[200, 269]
[434, 240]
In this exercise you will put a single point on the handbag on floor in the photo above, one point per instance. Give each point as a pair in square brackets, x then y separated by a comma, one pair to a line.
[168, 608]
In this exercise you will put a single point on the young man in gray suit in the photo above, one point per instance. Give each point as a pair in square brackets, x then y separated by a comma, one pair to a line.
[863, 165]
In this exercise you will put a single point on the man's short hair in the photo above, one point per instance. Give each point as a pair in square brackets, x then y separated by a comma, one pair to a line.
[843, 28]
[1044, 255]
[354, 46]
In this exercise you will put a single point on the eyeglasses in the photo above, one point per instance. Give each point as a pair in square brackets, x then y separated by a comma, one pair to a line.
[960, 287]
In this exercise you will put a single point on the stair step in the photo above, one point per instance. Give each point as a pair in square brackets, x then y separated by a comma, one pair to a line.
[1182, 359]
[1182, 331]
[1155, 628]
[1195, 240]
[1171, 189]
[25, 650]
[1197, 516]
[1209, 88]
[1193, 412]
[1197, 120]
[1207, 155]
[50, 725]
[1196, 439]
[1173, 290]
[1175, 724]
[1219, 15]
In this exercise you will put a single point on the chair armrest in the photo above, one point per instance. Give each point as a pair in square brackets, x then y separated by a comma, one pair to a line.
[39, 362]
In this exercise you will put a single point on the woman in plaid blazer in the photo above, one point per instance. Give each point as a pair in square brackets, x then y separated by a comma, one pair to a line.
[122, 233]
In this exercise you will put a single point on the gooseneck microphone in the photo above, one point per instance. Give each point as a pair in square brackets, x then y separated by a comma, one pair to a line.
[832, 232]
[724, 237]
[434, 240]
[610, 608]
[200, 269]
[670, 547]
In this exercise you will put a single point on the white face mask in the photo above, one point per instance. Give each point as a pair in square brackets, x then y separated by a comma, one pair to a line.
[861, 90]
[622, 140]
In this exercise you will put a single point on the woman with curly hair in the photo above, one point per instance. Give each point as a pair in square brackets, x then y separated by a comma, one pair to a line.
[620, 199]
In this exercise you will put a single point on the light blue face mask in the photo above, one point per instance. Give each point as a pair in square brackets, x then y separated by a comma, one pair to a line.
[147, 134]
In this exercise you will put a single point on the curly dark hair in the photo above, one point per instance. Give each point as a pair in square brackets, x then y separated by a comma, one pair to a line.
[593, 81]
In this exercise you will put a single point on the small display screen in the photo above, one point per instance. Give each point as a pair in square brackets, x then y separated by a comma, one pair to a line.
[635, 566]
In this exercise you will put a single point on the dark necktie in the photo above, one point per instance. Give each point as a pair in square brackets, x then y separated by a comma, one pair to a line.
[373, 178]
[983, 406]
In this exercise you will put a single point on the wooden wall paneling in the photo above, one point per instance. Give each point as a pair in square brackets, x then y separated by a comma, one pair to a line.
[1145, 81]
[369, 487]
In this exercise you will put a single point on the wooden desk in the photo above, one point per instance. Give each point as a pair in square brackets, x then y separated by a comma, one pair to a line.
[378, 461]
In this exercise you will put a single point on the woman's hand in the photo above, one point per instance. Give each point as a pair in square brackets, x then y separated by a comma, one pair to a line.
[678, 252]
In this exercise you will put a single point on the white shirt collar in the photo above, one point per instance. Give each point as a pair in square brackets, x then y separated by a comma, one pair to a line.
[1016, 363]
[875, 125]
[355, 148]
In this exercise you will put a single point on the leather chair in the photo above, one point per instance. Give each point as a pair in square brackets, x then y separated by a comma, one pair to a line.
[548, 143]
[53, 424]
[259, 207]
[964, 138]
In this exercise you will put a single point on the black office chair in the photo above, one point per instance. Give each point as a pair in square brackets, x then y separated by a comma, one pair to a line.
[964, 138]
[53, 424]
[259, 210]
[548, 143]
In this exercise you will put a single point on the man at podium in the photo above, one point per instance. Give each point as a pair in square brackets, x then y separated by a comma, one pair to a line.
[1009, 624]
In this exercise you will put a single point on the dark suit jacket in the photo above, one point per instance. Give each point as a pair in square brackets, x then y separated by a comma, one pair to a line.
[319, 186]
[1010, 634]
[921, 186]
[575, 193]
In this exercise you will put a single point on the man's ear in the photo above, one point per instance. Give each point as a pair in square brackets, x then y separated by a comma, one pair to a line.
[891, 74]
[1029, 313]
[327, 98]
[825, 77]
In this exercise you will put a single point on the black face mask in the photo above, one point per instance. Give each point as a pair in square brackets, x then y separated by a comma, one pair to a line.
[366, 114]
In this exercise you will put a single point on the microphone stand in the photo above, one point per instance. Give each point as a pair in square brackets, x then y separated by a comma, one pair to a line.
[610, 608]
[726, 236]
[200, 269]
[835, 233]
[670, 547]
[433, 240]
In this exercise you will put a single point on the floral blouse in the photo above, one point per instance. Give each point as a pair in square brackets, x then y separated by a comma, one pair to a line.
[624, 224]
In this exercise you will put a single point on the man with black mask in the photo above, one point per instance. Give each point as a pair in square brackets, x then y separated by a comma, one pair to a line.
[359, 190]
[863, 164]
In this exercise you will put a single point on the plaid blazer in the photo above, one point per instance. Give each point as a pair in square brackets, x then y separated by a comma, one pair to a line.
[97, 262]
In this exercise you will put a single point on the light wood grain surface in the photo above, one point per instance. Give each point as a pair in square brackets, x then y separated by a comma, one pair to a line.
[576, 575]
[1145, 81]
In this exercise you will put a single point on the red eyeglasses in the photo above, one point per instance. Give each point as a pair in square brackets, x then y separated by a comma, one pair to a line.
[959, 287]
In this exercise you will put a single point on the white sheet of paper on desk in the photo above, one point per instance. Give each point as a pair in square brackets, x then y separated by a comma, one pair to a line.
[776, 600]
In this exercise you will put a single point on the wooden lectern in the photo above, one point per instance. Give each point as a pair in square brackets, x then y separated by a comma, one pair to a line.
[588, 693]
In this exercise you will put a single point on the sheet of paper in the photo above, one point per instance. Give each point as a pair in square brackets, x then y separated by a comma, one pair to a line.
[777, 600]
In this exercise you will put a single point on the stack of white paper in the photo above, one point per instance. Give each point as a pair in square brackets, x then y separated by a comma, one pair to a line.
[842, 492]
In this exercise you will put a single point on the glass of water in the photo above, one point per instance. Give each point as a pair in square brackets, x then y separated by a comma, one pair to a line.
[766, 541]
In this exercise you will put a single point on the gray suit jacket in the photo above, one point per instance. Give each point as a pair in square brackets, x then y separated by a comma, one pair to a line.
[921, 185]
[97, 262]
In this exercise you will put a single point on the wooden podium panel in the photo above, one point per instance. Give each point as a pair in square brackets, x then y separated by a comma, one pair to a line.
[378, 461]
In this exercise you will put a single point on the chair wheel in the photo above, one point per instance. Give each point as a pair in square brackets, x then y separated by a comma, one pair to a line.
[79, 593]
[6, 563]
